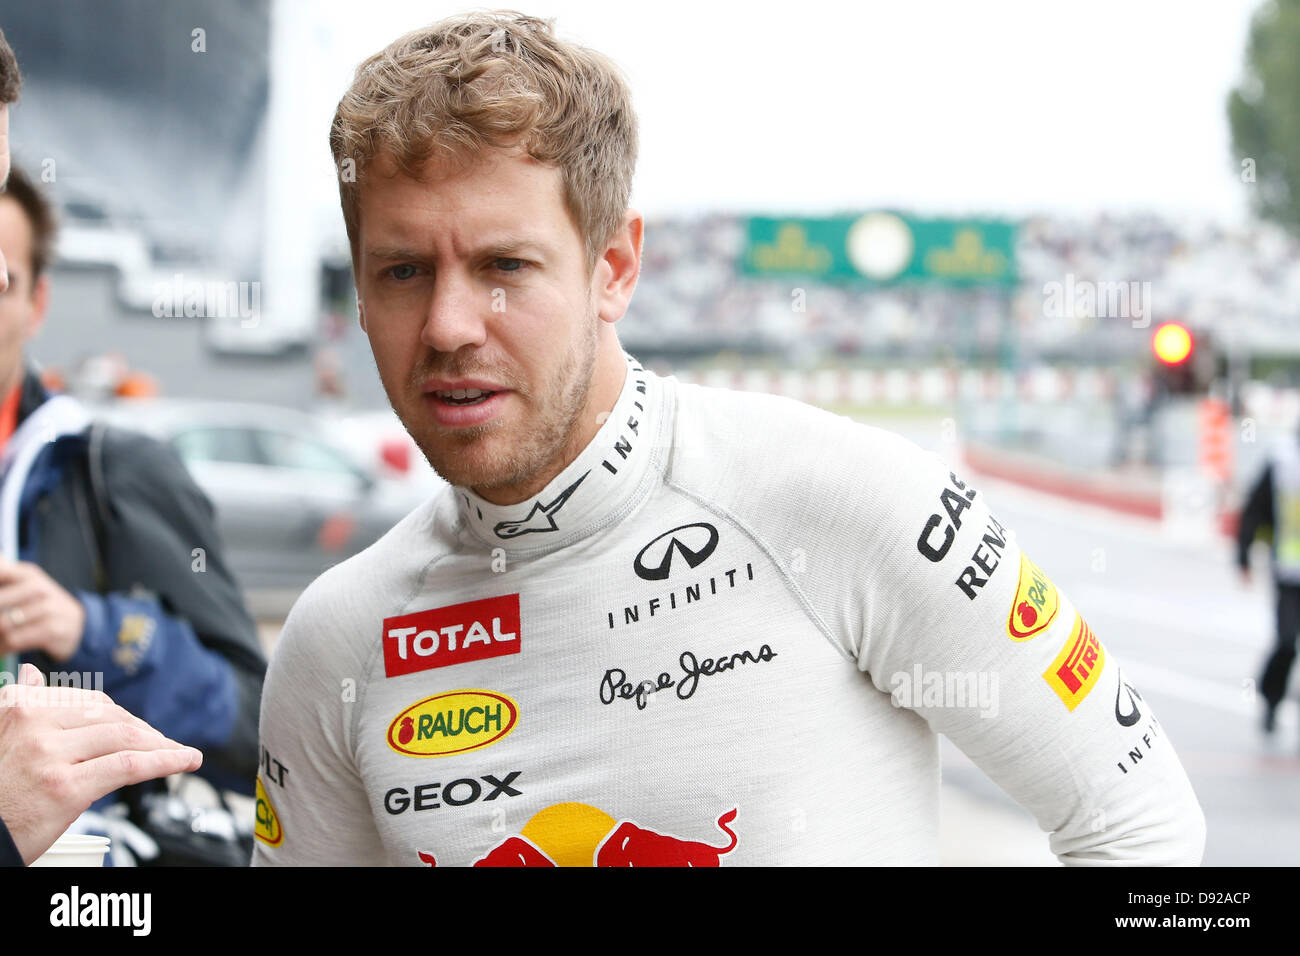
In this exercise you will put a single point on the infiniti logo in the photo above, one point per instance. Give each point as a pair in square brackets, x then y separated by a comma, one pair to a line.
[1133, 715]
[695, 542]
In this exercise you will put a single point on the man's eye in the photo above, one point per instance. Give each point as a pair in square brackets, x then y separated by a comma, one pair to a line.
[510, 265]
[404, 271]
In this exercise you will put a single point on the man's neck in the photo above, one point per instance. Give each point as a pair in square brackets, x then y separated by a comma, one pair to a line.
[606, 386]
[12, 380]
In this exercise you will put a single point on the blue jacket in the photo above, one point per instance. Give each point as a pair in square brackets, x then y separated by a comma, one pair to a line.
[166, 625]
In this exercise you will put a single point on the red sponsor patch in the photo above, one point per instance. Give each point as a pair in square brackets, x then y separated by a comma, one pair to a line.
[450, 635]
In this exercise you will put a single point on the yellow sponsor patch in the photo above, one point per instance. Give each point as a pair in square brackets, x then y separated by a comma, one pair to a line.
[133, 640]
[1077, 668]
[1035, 605]
[453, 723]
[268, 828]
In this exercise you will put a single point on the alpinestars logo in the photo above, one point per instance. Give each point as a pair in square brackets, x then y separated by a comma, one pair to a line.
[694, 542]
[541, 518]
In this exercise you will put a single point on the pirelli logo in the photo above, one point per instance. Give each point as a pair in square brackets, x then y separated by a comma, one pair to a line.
[1077, 668]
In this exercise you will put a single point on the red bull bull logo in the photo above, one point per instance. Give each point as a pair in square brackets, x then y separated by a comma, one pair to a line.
[576, 834]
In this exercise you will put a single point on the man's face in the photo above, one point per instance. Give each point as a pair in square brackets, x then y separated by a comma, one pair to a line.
[22, 299]
[4, 177]
[22, 304]
[478, 280]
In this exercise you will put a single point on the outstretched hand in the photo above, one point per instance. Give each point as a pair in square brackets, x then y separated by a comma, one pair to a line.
[63, 748]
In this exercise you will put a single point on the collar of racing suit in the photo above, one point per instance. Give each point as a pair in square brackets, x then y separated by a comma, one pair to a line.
[598, 487]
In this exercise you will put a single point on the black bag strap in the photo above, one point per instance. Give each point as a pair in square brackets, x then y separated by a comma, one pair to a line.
[96, 517]
[95, 460]
[94, 514]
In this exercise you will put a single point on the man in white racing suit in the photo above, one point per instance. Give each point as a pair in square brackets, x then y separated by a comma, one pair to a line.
[648, 623]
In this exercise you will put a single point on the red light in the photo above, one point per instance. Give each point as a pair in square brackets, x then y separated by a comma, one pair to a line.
[1172, 343]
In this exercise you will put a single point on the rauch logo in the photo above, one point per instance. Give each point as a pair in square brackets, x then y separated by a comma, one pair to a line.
[1035, 604]
[453, 723]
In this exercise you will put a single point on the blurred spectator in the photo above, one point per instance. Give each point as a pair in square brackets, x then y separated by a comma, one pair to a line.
[112, 565]
[51, 769]
[1274, 504]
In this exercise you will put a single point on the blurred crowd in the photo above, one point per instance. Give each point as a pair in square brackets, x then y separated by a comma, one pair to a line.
[1240, 283]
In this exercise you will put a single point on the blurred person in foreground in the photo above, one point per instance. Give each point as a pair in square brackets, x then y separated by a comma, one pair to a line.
[1274, 504]
[111, 572]
[62, 748]
[647, 623]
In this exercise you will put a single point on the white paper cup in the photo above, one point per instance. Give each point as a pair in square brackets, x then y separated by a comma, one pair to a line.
[75, 849]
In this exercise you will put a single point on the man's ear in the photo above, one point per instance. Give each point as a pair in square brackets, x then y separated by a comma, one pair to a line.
[617, 271]
[40, 304]
[361, 313]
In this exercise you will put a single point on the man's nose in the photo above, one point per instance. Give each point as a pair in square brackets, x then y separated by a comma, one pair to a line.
[456, 315]
[4, 274]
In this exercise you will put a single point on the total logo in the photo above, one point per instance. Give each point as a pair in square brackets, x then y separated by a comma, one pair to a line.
[454, 722]
[1035, 604]
[450, 635]
[576, 834]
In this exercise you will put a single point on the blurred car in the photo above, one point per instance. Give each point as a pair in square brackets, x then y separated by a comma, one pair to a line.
[291, 500]
[380, 441]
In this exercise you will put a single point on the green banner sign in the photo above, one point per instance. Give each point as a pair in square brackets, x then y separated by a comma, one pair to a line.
[881, 248]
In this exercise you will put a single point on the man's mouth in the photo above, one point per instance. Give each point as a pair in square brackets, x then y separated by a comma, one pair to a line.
[463, 396]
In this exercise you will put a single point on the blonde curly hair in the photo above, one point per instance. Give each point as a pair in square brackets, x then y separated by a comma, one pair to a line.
[494, 79]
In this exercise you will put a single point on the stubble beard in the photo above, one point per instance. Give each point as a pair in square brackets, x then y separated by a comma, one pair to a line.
[475, 457]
